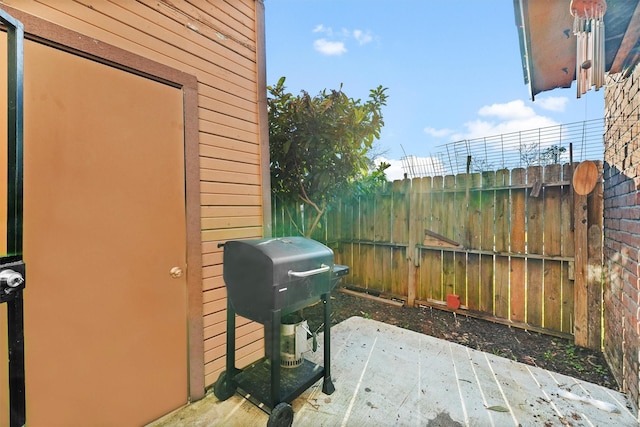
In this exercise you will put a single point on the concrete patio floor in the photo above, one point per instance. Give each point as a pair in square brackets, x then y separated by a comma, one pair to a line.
[388, 376]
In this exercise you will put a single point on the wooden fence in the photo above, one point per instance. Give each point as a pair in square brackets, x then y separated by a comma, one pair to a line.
[518, 247]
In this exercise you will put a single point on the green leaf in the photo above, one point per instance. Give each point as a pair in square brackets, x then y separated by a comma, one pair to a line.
[319, 145]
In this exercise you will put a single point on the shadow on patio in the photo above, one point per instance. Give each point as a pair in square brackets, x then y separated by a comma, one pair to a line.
[388, 376]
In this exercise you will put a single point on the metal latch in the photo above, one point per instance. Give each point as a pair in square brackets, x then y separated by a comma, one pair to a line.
[12, 278]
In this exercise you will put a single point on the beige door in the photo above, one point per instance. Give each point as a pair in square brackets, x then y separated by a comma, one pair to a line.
[104, 223]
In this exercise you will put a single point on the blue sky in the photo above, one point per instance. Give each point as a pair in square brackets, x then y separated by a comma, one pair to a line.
[452, 67]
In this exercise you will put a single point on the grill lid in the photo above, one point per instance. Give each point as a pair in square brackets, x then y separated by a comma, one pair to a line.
[282, 273]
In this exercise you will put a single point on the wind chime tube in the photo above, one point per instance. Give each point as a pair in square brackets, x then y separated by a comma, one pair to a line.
[588, 27]
[601, 54]
[594, 51]
[588, 55]
[577, 31]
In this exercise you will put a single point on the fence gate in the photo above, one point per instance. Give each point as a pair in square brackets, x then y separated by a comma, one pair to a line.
[12, 268]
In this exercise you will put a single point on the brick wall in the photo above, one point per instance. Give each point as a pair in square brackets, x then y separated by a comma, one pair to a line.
[622, 232]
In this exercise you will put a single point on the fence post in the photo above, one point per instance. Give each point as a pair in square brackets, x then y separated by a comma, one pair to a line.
[581, 257]
[414, 231]
[595, 264]
[588, 264]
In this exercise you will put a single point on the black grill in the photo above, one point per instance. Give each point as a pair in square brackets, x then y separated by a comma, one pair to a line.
[270, 274]
[267, 279]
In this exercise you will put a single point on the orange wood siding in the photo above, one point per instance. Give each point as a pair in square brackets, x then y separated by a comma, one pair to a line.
[218, 42]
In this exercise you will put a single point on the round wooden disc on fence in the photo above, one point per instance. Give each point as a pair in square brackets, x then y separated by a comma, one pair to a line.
[585, 177]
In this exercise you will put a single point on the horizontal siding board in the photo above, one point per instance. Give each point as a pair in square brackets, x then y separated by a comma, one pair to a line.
[228, 176]
[214, 295]
[230, 212]
[230, 200]
[225, 95]
[215, 306]
[248, 329]
[216, 99]
[244, 6]
[228, 166]
[241, 13]
[212, 283]
[213, 343]
[229, 154]
[211, 247]
[219, 352]
[212, 271]
[213, 369]
[224, 130]
[232, 145]
[250, 342]
[230, 188]
[245, 124]
[226, 222]
[220, 327]
[214, 317]
[244, 334]
[211, 258]
[233, 233]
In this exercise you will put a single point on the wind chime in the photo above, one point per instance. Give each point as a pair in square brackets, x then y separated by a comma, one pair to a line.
[588, 27]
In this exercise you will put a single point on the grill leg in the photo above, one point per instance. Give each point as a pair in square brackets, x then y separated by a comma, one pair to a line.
[327, 384]
[275, 357]
[231, 340]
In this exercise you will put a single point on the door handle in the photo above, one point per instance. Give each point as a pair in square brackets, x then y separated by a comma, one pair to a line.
[175, 272]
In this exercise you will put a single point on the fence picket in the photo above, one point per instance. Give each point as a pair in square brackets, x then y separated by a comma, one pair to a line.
[437, 204]
[552, 208]
[422, 209]
[502, 291]
[517, 245]
[534, 236]
[487, 204]
[400, 234]
[474, 235]
[450, 210]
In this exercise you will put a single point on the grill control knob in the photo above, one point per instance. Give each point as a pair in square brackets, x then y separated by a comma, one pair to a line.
[176, 272]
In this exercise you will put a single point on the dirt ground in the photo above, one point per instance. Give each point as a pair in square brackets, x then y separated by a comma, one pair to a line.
[552, 353]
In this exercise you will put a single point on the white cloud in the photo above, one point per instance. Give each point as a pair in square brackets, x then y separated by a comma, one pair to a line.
[327, 47]
[509, 117]
[513, 110]
[438, 133]
[322, 29]
[335, 42]
[553, 103]
[362, 37]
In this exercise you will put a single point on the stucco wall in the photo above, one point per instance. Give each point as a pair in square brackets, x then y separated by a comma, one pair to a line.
[622, 231]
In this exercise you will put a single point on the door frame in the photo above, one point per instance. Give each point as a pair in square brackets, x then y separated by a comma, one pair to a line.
[45, 32]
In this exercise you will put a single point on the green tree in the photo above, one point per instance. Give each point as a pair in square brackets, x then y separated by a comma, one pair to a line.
[319, 144]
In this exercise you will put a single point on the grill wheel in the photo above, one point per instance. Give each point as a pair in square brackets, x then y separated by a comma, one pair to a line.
[281, 416]
[222, 389]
